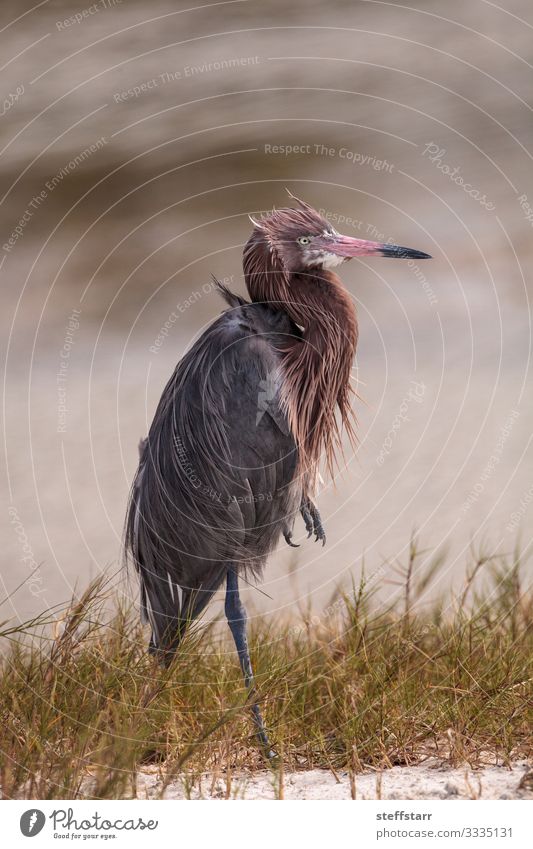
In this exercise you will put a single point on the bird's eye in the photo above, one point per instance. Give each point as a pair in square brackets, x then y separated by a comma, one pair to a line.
[304, 240]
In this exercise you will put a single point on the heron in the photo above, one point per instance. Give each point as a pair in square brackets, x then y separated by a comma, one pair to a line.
[257, 403]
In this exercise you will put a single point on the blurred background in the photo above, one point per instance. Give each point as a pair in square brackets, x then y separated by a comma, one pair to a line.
[135, 140]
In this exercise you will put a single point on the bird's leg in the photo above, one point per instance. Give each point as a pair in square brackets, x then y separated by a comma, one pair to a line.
[236, 616]
[312, 519]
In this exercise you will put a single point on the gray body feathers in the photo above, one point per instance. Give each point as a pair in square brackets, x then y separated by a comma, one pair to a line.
[216, 482]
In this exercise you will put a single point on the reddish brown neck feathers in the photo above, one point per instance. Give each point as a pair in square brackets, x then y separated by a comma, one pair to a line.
[316, 367]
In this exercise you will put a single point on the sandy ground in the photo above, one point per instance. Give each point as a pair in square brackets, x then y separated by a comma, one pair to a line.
[430, 781]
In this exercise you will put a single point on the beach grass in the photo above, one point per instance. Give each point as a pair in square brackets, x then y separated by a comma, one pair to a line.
[359, 685]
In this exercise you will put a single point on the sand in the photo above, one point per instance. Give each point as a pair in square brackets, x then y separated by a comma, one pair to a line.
[430, 781]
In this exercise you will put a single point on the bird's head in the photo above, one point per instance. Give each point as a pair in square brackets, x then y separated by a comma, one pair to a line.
[300, 239]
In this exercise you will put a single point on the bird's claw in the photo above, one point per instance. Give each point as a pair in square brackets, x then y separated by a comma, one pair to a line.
[288, 539]
[320, 535]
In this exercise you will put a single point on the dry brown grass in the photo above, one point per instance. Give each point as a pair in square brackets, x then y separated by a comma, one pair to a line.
[364, 686]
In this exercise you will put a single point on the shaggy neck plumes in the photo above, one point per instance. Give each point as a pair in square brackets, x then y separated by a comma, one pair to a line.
[318, 362]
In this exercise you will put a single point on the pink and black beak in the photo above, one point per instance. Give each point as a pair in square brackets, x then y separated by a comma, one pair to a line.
[348, 247]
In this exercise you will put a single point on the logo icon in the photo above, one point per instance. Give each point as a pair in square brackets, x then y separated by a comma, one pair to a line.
[32, 822]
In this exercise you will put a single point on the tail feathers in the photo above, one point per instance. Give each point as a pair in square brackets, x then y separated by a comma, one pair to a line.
[230, 297]
[173, 593]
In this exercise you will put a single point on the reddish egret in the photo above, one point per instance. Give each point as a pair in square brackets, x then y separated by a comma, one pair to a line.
[233, 451]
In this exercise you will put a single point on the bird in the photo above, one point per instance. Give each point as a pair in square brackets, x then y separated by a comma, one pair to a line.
[254, 407]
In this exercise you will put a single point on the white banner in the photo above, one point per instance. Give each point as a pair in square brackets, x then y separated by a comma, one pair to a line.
[270, 824]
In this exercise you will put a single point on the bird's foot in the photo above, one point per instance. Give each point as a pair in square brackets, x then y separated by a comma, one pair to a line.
[262, 736]
[266, 747]
[320, 534]
[313, 521]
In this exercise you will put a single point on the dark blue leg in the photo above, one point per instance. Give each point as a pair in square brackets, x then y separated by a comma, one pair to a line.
[236, 616]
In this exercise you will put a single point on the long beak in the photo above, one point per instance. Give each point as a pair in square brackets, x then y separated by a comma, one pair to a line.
[348, 247]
